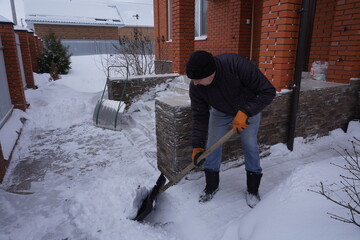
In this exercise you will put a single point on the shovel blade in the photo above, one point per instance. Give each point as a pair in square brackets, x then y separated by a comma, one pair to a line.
[148, 203]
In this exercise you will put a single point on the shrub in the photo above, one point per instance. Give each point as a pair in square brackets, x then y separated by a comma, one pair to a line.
[135, 51]
[54, 56]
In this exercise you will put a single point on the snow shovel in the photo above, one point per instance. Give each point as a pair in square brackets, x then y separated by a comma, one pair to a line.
[107, 112]
[160, 186]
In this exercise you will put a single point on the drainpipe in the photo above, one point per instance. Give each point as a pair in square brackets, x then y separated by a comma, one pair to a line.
[299, 64]
[13, 10]
[252, 29]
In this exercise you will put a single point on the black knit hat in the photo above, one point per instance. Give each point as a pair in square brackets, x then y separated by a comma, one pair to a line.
[201, 64]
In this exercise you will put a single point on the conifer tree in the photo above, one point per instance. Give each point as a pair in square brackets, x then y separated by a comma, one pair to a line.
[54, 56]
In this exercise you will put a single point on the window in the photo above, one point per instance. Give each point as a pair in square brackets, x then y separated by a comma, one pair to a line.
[169, 20]
[201, 12]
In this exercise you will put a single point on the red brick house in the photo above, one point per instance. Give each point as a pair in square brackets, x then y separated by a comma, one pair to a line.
[265, 31]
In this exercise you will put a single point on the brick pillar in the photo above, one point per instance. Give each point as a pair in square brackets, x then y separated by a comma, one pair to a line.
[279, 33]
[244, 29]
[39, 45]
[157, 34]
[12, 66]
[33, 51]
[27, 61]
[3, 165]
[257, 31]
[344, 53]
[183, 33]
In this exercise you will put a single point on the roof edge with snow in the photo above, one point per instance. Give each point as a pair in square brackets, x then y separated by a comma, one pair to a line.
[84, 22]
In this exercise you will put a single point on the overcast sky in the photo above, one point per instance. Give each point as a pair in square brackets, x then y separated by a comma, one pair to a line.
[5, 7]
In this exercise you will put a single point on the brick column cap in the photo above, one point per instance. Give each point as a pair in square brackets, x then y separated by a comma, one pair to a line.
[4, 20]
[20, 28]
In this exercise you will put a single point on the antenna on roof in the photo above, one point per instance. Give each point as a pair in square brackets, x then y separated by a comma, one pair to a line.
[136, 16]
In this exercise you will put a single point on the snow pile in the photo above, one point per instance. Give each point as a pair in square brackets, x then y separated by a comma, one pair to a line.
[10, 131]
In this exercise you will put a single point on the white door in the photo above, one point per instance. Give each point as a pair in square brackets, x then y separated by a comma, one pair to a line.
[5, 100]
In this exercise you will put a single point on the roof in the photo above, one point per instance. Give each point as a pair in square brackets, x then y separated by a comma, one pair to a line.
[136, 14]
[109, 13]
[71, 13]
[20, 28]
[4, 19]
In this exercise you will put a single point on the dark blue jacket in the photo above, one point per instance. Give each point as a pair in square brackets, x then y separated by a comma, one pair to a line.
[238, 85]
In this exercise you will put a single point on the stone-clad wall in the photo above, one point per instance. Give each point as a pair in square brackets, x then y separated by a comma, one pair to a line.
[173, 124]
[320, 111]
[324, 110]
[134, 86]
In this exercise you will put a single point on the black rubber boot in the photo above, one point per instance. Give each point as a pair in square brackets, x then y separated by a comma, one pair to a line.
[212, 186]
[253, 183]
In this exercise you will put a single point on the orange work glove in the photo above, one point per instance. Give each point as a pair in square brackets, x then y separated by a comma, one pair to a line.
[196, 154]
[240, 121]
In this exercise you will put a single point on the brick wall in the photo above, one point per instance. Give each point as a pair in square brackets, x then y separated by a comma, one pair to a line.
[25, 52]
[163, 48]
[223, 28]
[336, 38]
[234, 36]
[228, 30]
[182, 43]
[321, 35]
[183, 36]
[77, 32]
[344, 52]
[279, 33]
[129, 32]
[257, 31]
[12, 66]
[39, 44]
[276, 26]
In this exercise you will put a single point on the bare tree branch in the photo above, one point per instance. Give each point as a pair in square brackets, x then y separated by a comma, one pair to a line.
[350, 185]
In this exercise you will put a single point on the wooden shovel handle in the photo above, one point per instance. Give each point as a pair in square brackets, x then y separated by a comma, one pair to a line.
[191, 166]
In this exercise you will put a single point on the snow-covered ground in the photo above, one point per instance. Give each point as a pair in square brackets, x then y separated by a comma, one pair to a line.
[71, 180]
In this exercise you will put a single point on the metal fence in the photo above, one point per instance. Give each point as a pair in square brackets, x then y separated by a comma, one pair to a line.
[91, 47]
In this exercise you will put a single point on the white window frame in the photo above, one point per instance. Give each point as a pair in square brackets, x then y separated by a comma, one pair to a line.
[201, 8]
[170, 18]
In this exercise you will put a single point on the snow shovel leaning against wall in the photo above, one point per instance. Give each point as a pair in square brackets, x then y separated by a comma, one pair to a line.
[160, 186]
[106, 113]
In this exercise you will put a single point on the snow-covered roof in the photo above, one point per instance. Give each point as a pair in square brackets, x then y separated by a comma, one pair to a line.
[4, 19]
[136, 14]
[109, 13]
[20, 28]
[71, 13]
